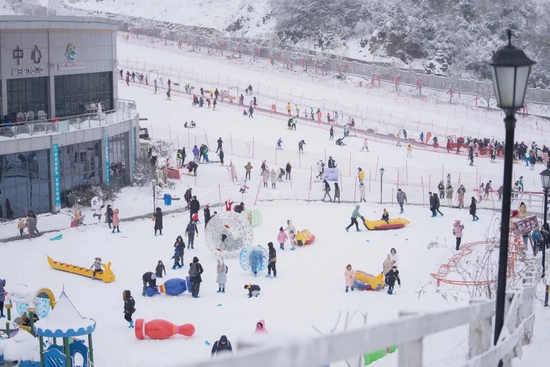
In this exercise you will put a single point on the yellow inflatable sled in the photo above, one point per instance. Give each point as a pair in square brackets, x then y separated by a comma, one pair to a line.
[106, 275]
[395, 223]
[304, 237]
[366, 281]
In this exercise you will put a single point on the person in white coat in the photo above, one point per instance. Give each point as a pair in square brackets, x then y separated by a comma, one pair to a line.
[394, 257]
[221, 279]
[244, 186]
[273, 175]
[320, 169]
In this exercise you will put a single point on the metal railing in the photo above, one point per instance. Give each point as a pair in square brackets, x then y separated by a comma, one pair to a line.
[125, 110]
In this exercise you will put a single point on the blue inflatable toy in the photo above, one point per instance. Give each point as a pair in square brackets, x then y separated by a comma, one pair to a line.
[172, 287]
[254, 259]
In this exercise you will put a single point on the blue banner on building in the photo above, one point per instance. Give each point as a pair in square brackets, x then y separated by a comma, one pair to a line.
[107, 164]
[56, 177]
[133, 150]
[331, 174]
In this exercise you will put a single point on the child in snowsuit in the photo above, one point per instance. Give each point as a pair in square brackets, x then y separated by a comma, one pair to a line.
[129, 307]
[191, 230]
[281, 238]
[271, 266]
[386, 216]
[21, 226]
[260, 327]
[97, 267]
[291, 233]
[160, 269]
[221, 279]
[253, 290]
[391, 277]
[116, 222]
[348, 275]
[179, 248]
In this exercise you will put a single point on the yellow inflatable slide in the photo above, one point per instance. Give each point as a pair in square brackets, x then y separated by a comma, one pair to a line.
[395, 223]
[106, 275]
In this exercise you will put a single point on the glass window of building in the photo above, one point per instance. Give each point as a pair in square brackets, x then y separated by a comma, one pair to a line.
[25, 183]
[119, 159]
[73, 93]
[27, 95]
[80, 166]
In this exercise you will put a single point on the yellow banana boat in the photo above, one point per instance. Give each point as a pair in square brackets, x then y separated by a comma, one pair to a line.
[366, 281]
[106, 275]
[395, 223]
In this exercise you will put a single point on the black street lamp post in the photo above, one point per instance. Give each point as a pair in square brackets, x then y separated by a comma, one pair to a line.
[381, 176]
[510, 69]
[545, 180]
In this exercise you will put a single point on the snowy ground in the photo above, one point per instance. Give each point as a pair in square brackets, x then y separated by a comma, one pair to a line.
[309, 288]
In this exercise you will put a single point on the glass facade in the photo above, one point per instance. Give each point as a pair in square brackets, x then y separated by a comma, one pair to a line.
[28, 94]
[25, 183]
[74, 92]
[119, 159]
[80, 165]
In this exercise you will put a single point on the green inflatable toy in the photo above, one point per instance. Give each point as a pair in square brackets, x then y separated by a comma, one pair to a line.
[254, 217]
[374, 356]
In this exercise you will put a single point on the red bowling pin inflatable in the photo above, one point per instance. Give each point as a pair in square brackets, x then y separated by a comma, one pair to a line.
[161, 329]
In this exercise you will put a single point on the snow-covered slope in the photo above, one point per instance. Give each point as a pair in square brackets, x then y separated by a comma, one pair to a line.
[216, 14]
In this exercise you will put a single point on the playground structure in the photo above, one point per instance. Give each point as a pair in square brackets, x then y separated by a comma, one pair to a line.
[41, 300]
[365, 281]
[304, 237]
[395, 223]
[65, 322]
[172, 287]
[254, 259]
[228, 233]
[254, 216]
[161, 329]
[106, 275]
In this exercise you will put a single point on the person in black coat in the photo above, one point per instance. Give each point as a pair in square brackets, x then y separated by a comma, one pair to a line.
[272, 261]
[188, 196]
[239, 208]
[391, 277]
[129, 307]
[178, 255]
[109, 215]
[473, 209]
[194, 207]
[253, 290]
[158, 221]
[183, 155]
[434, 204]
[222, 346]
[207, 215]
[149, 280]
[221, 155]
[195, 271]
[220, 143]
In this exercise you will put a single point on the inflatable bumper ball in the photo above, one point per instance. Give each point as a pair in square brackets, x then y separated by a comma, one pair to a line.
[228, 233]
[254, 259]
[254, 217]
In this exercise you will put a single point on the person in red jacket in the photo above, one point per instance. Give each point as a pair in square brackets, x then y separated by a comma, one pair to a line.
[228, 205]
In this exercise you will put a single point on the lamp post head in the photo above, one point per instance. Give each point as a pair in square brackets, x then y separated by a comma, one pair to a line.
[545, 179]
[510, 69]
[382, 171]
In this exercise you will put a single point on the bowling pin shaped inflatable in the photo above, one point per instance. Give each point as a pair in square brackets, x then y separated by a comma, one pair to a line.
[173, 287]
[161, 329]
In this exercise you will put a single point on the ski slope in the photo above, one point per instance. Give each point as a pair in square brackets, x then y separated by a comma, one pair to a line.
[309, 289]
